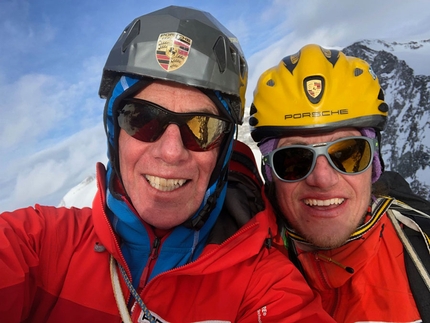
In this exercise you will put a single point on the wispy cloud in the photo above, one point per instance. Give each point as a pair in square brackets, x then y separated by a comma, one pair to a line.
[40, 176]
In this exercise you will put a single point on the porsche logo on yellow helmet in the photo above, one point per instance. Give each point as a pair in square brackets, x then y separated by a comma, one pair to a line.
[314, 88]
[172, 50]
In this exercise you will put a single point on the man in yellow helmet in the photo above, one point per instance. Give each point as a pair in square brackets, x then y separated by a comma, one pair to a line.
[317, 118]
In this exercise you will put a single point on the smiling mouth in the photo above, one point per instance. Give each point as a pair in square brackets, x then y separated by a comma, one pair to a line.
[329, 202]
[165, 184]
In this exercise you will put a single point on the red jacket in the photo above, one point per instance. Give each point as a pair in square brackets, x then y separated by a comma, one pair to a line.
[54, 267]
[377, 290]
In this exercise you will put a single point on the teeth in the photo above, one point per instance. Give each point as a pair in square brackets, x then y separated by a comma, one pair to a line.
[164, 184]
[314, 202]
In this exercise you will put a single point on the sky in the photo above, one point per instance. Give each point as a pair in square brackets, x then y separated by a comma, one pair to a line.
[52, 55]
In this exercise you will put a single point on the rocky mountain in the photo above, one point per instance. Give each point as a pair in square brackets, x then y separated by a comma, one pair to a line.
[406, 140]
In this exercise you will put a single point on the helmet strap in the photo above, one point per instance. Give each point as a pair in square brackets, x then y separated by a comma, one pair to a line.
[113, 148]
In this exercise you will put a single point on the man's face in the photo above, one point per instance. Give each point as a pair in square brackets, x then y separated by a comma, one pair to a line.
[165, 181]
[327, 206]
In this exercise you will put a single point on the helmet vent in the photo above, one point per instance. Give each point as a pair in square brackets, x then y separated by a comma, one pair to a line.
[331, 55]
[383, 107]
[290, 62]
[358, 71]
[253, 121]
[242, 67]
[381, 95]
[221, 54]
[134, 31]
[270, 83]
[253, 110]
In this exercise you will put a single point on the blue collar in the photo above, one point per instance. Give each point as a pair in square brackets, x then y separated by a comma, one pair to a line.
[179, 247]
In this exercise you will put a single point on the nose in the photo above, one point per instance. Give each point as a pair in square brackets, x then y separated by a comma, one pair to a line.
[323, 174]
[169, 147]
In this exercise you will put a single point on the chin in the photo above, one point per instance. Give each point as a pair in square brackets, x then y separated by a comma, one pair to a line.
[328, 241]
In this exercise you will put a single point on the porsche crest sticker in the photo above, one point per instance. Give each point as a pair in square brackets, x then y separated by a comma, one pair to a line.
[314, 88]
[172, 50]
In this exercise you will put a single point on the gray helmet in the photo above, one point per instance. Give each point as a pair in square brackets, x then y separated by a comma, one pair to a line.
[183, 45]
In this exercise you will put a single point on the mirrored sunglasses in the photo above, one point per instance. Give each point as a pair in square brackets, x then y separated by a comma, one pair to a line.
[147, 121]
[350, 155]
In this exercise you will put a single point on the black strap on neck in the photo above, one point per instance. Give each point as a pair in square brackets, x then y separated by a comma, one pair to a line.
[419, 290]
[418, 287]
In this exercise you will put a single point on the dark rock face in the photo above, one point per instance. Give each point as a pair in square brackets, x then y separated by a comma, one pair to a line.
[406, 140]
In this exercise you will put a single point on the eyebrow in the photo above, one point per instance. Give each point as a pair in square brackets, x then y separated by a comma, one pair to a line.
[295, 143]
[210, 109]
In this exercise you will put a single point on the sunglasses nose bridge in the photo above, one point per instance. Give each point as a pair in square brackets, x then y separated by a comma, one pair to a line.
[173, 141]
[171, 120]
[320, 150]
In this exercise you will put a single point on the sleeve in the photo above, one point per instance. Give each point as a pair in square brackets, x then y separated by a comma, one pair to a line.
[35, 249]
[278, 293]
[20, 234]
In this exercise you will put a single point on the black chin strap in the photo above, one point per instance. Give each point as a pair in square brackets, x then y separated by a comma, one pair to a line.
[220, 172]
[197, 222]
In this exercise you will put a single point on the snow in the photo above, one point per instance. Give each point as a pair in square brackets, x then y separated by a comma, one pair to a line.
[81, 195]
[415, 53]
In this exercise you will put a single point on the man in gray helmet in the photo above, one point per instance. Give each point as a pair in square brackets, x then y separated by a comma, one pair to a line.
[165, 239]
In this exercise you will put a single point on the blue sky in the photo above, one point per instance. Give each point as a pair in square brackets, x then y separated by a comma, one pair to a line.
[52, 54]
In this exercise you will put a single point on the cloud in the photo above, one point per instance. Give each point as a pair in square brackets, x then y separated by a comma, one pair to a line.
[357, 20]
[48, 140]
[45, 177]
[333, 24]
[30, 107]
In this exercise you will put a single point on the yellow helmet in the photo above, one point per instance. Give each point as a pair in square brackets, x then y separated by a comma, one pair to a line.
[316, 90]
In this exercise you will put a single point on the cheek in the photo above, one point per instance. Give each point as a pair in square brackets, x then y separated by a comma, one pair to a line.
[364, 191]
[284, 195]
[129, 152]
[361, 184]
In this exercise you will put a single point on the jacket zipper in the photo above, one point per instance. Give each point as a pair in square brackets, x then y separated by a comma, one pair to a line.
[335, 297]
[238, 233]
[150, 263]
